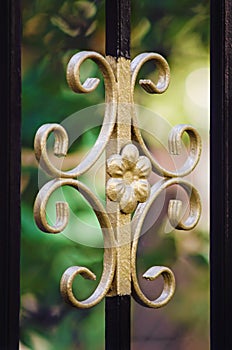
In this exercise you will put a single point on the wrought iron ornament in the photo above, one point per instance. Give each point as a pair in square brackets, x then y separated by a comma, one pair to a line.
[127, 186]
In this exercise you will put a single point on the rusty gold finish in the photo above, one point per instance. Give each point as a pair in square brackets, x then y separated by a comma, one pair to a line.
[127, 171]
[61, 222]
[148, 85]
[61, 138]
[174, 141]
[174, 217]
[120, 137]
[128, 184]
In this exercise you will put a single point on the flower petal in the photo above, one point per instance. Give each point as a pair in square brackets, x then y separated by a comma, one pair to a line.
[141, 190]
[143, 167]
[130, 155]
[115, 189]
[114, 166]
[128, 201]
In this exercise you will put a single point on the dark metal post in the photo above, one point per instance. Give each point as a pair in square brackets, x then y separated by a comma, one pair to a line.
[10, 174]
[221, 174]
[117, 323]
[118, 28]
[117, 308]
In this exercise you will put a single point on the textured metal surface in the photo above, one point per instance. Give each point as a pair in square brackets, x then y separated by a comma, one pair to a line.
[174, 217]
[118, 28]
[221, 174]
[61, 138]
[127, 186]
[10, 156]
[62, 220]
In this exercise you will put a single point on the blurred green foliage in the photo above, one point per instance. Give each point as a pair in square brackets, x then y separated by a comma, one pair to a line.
[52, 31]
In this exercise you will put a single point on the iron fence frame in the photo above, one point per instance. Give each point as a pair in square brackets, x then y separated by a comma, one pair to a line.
[220, 179]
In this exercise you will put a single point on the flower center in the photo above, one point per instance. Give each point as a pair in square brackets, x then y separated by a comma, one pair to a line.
[128, 177]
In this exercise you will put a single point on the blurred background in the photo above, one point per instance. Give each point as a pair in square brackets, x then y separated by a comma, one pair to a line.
[53, 30]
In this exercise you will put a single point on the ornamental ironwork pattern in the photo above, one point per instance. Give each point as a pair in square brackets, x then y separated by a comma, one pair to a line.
[127, 187]
[128, 184]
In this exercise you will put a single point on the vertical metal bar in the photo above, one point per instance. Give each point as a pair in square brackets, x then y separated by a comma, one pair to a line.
[118, 322]
[118, 28]
[10, 173]
[117, 307]
[221, 174]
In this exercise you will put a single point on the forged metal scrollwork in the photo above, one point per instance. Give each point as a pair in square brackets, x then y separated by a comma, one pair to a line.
[62, 220]
[128, 184]
[61, 138]
[127, 180]
[175, 219]
[174, 141]
[163, 73]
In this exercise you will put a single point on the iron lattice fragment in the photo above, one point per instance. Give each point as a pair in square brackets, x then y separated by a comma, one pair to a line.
[127, 188]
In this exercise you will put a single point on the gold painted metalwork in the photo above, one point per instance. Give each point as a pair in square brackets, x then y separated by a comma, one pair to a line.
[127, 186]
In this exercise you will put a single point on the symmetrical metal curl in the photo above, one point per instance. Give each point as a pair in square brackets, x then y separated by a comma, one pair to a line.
[175, 136]
[128, 184]
[127, 179]
[174, 216]
[163, 73]
[61, 138]
[61, 222]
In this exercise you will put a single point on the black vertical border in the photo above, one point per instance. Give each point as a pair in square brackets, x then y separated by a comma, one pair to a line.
[118, 322]
[118, 308]
[221, 175]
[10, 149]
[118, 13]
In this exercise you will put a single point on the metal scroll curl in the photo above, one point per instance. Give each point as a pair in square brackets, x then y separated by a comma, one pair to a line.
[61, 222]
[174, 214]
[163, 73]
[175, 136]
[61, 137]
[128, 173]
